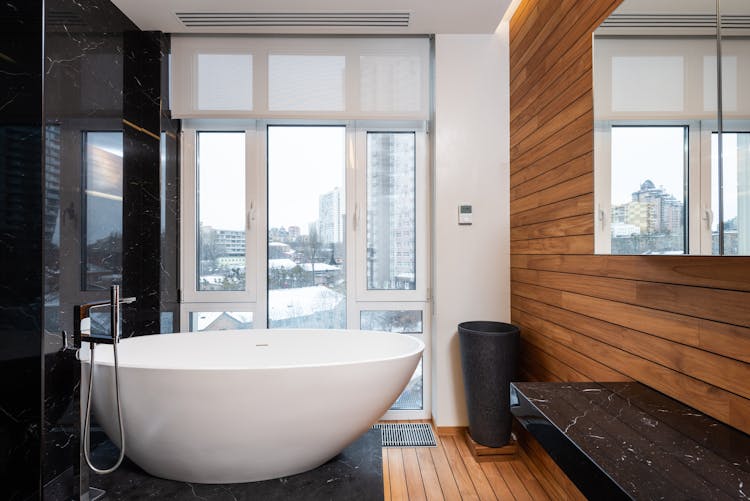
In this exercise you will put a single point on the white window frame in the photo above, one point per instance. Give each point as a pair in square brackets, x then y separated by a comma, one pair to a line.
[696, 185]
[254, 208]
[426, 411]
[708, 127]
[254, 298]
[421, 213]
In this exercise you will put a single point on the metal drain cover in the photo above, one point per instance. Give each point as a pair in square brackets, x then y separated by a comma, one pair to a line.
[406, 434]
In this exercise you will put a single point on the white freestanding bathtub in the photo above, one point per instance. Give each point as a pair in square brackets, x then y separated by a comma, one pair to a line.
[241, 406]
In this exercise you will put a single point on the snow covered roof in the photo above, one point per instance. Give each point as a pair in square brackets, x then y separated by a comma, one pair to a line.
[277, 264]
[301, 302]
[319, 267]
[206, 318]
[283, 304]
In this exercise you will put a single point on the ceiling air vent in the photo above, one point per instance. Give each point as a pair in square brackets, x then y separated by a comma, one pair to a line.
[675, 21]
[294, 19]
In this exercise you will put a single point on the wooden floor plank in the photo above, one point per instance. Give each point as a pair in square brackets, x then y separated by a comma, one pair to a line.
[535, 489]
[465, 485]
[449, 472]
[515, 483]
[414, 482]
[399, 491]
[478, 478]
[386, 477]
[429, 475]
[543, 476]
[445, 475]
[502, 491]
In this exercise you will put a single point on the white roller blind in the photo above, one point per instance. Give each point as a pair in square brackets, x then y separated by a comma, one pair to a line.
[268, 77]
[668, 78]
[390, 83]
[225, 82]
[648, 83]
[306, 83]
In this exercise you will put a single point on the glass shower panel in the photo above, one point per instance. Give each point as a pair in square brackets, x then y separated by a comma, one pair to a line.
[103, 199]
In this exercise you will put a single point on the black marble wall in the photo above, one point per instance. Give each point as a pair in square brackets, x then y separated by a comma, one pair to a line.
[149, 188]
[21, 269]
[83, 190]
[83, 164]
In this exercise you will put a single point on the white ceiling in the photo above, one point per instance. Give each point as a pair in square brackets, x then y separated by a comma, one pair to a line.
[425, 16]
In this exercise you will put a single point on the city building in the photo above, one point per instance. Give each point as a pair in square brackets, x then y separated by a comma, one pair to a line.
[390, 212]
[331, 217]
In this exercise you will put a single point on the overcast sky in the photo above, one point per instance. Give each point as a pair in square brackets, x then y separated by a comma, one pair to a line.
[641, 153]
[657, 153]
[304, 163]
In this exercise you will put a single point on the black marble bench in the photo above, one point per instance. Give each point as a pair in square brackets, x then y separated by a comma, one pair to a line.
[627, 441]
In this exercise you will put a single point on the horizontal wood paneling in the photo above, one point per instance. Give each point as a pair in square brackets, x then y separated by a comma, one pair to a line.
[575, 168]
[575, 225]
[678, 324]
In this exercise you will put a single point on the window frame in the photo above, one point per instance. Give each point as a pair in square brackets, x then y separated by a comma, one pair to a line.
[426, 308]
[695, 194]
[254, 299]
[189, 211]
[421, 269]
[730, 126]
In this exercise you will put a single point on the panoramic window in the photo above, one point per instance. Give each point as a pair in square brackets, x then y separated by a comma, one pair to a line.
[306, 190]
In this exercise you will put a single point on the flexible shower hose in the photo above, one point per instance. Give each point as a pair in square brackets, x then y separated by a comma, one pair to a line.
[87, 424]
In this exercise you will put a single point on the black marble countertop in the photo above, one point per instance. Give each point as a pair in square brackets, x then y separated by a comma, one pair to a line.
[628, 441]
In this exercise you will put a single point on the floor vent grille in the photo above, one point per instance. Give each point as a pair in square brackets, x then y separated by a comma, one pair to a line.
[406, 434]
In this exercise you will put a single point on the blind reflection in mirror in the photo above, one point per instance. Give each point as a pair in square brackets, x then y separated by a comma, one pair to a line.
[661, 186]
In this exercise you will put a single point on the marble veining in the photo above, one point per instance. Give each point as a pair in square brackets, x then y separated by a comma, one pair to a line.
[356, 473]
[646, 444]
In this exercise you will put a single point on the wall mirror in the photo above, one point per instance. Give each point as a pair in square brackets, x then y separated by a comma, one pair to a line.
[671, 91]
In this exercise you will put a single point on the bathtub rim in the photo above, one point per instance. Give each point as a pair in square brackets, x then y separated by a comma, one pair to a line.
[418, 349]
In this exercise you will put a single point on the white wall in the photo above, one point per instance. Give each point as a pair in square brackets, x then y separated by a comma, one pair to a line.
[471, 264]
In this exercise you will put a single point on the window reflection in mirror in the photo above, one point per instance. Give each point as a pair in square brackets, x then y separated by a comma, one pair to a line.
[660, 185]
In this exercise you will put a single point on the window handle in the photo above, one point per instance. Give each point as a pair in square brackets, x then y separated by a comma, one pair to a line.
[356, 216]
[602, 218]
[250, 215]
[708, 217]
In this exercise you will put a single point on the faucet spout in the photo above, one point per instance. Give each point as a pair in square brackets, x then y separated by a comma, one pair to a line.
[82, 324]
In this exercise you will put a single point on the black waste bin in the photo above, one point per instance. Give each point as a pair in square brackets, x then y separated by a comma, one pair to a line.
[489, 359]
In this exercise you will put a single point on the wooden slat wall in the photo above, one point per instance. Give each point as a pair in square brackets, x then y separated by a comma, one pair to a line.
[676, 323]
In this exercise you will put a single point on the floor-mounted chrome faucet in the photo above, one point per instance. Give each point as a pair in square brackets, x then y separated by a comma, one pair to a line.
[83, 334]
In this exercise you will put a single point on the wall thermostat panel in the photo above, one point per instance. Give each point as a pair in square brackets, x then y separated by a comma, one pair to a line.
[465, 213]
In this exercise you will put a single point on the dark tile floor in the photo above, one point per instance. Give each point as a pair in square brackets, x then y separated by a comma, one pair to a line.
[355, 474]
